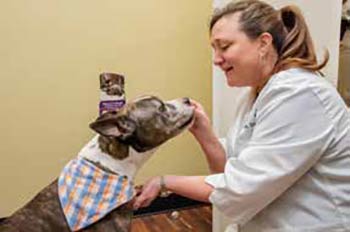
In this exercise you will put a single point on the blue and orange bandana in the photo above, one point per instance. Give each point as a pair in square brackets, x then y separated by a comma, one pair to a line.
[87, 193]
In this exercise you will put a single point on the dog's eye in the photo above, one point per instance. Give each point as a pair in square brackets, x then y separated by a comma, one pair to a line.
[162, 108]
[170, 106]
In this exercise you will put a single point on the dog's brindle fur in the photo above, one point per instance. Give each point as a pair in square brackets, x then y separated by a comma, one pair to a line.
[141, 126]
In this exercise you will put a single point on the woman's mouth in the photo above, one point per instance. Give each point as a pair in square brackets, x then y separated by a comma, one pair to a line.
[227, 70]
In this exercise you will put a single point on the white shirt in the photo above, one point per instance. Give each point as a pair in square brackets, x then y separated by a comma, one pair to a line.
[288, 168]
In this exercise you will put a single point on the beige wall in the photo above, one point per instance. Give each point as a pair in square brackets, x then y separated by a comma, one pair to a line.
[51, 55]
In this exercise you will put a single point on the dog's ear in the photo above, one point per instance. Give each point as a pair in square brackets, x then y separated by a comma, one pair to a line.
[112, 125]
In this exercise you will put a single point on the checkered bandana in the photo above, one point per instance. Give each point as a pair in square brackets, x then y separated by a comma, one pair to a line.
[87, 193]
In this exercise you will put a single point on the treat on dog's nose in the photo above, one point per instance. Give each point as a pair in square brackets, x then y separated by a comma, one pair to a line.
[112, 95]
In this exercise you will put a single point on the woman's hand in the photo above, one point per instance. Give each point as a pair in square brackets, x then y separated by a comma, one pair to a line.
[201, 124]
[203, 132]
[148, 193]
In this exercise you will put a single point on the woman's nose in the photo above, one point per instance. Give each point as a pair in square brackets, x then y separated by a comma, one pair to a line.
[218, 59]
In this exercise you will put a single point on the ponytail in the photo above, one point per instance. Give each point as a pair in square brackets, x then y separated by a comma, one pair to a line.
[298, 49]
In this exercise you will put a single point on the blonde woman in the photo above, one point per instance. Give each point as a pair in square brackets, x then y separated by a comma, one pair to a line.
[288, 168]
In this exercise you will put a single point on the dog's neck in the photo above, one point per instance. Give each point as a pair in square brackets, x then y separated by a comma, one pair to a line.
[104, 152]
[113, 147]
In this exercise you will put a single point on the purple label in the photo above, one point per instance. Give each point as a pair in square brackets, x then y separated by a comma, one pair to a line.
[111, 105]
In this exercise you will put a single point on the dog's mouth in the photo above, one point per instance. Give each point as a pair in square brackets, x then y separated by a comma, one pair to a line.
[187, 122]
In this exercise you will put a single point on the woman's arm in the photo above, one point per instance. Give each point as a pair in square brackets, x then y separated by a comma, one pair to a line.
[213, 150]
[193, 187]
[204, 134]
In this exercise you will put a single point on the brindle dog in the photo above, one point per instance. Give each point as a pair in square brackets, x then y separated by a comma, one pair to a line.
[124, 142]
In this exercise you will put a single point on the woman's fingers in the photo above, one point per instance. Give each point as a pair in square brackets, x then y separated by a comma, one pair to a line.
[146, 203]
[139, 202]
[148, 193]
[143, 201]
[197, 106]
[201, 122]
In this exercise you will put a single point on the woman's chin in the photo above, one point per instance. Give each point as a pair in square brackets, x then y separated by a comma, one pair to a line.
[237, 84]
[232, 82]
[235, 81]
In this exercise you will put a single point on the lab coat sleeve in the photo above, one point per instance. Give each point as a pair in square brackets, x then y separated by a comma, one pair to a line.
[290, 133]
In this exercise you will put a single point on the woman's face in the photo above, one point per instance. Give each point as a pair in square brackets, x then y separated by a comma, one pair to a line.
[236, 54]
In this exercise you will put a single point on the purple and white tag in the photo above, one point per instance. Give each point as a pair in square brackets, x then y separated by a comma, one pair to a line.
[111, 105]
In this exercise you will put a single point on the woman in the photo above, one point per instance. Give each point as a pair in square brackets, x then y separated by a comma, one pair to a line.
[288, 168]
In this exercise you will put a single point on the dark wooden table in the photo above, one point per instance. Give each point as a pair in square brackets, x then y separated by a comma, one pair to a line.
[194, 219]
[172, 214]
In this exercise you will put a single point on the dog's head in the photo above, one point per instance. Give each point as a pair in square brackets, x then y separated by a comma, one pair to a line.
[146, 122]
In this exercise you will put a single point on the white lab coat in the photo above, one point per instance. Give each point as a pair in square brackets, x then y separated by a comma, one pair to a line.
[288, 163]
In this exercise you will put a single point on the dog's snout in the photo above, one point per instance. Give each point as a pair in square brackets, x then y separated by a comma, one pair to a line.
[186, 100]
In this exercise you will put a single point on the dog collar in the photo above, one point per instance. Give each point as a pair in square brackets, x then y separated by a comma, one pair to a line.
[87, 193]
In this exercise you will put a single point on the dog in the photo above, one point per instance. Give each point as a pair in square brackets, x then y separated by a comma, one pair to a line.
[125, 140]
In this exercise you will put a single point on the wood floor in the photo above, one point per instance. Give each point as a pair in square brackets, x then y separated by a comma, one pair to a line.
[194, 219]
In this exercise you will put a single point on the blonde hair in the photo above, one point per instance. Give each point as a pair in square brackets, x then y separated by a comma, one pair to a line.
[287, 26]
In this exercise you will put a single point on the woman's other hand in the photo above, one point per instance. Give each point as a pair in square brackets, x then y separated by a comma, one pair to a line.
[148, 193]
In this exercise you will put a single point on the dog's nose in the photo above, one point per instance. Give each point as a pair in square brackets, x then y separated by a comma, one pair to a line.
[186, 100]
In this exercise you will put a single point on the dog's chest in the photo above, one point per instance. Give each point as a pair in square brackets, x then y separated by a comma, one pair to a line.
[87, 193]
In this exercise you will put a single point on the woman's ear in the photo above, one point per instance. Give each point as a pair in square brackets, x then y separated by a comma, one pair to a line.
[265, 43]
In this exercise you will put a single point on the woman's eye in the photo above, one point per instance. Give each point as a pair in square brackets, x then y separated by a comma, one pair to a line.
[224, 47]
